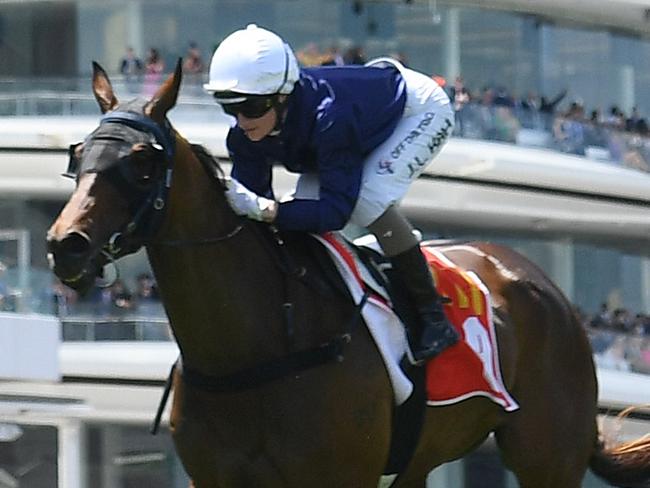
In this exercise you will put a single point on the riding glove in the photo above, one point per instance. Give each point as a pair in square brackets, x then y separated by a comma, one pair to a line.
[245, 202]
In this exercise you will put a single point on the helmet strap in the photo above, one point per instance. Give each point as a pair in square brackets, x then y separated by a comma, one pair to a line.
[280, 108]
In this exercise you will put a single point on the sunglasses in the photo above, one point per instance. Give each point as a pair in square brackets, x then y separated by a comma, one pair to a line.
[251, 108]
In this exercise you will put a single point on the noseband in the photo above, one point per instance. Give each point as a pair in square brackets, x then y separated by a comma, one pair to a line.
[147, 207]
[148, 217]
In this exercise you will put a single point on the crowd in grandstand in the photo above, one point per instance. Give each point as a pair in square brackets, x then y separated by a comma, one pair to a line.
[557, 122]
[114, 299]
[620, 339]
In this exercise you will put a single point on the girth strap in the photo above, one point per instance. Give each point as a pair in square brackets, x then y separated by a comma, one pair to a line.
[275, 369]
[269, 370]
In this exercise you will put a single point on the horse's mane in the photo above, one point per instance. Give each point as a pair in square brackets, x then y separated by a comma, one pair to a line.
[210, 163]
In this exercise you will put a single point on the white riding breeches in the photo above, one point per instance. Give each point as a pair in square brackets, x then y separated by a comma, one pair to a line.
[391, 167]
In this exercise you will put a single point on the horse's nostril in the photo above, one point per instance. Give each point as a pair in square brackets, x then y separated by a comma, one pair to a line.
[74, 243]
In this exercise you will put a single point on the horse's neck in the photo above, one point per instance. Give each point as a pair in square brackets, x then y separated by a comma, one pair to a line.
[216, 295]
[195, 206]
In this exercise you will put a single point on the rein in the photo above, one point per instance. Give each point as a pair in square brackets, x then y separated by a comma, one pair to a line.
[199, 242]
[152, 209]
[149, 206]
[264, 372]
[147, 219]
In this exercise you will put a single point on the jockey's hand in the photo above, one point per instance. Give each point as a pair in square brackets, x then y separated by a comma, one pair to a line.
[248, 203]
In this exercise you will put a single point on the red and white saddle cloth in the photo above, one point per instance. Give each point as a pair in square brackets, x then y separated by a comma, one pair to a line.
[467, 369]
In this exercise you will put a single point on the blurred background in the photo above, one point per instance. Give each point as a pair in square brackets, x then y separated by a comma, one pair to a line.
[550, 155]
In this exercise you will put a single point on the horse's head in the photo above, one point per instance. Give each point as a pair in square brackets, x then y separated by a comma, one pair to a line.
[123, 174]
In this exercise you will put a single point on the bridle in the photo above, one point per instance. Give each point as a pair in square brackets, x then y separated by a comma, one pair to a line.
[147, 212]
[147, 207]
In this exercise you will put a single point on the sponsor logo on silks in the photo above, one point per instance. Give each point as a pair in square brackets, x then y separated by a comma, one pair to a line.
[385, 167]
[413, 135]
[437, 140]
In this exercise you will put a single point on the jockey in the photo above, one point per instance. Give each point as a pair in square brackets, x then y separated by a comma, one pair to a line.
[358, 136]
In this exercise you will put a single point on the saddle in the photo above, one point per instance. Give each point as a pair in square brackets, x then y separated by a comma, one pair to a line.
[468, 369]
[308, 256]
[375, 272]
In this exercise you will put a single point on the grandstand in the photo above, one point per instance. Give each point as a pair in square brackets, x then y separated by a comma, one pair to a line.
[79, 385]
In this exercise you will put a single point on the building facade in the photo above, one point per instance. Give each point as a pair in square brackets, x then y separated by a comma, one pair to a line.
[516, 52]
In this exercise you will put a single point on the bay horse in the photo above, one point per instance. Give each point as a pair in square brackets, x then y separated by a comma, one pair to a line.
[258, 400]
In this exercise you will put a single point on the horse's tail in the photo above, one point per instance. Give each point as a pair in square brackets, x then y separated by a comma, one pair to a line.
[625, 465]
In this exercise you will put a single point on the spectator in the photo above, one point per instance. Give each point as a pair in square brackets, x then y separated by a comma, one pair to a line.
[596, 117]
[146, 288]
[96, 301]
[130, 65]
[621, 321]
[193, 62]
[531, 102]
[460, 97]
[569, 130]
[486, 113]
[632, 121]
[153, 70]
[616, 118]
[615, 357]
[149, 309]
[603, 318]
[332, 57]
[64, 299]
[641, 363]
[506, 125]
[641, 325]
[529, 109]
[310, 55]
[121, 297]
[502, 98]
[193, 68]
[131, 68]
[355, 55]
[547, 108]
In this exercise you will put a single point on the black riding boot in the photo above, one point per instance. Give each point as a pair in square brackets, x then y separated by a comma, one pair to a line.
[433, 333]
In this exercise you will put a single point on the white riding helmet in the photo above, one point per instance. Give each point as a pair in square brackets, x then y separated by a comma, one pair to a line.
[253, 61]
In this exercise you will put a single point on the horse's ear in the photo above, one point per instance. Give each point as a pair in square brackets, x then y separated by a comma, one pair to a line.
[103, 89]
[165, 98]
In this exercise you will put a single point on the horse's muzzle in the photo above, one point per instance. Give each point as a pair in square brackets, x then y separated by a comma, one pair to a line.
[70, 258]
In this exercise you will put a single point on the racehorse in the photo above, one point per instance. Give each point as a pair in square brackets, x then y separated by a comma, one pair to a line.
[274, 389]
